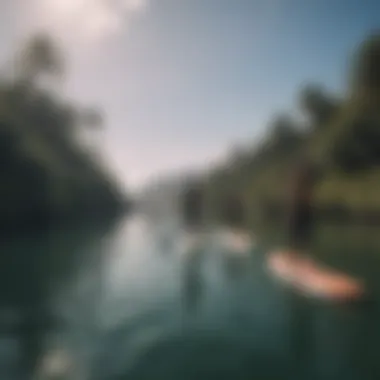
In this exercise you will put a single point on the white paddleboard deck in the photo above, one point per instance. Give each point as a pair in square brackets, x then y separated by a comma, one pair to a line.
[313, 280]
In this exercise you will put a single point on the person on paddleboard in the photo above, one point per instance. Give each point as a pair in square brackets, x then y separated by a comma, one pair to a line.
[300, 207]
[296, 264]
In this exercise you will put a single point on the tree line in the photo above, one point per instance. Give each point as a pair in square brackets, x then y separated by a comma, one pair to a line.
[340, 132]
[47, 173]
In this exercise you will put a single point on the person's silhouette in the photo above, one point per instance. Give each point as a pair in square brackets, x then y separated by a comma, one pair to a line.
[300, 211]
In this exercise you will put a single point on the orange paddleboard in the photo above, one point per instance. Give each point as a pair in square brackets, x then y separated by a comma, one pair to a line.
[312, 279]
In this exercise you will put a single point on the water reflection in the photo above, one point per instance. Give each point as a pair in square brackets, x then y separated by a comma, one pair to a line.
[235, 265]
[332, 341]
[112, 301]
[346, 342]
[25, 313]
[33, 271]
[192, 279]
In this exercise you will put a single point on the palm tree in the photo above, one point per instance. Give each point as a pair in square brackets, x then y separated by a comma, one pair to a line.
[40, 59]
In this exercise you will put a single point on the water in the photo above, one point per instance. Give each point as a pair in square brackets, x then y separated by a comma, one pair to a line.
[126, 302]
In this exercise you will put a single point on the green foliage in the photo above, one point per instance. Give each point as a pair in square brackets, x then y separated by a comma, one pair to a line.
[47, 174]
[39, 58]
[359, 147]
[343, 136]
[318, 105]
[284, 136]
[366, 68]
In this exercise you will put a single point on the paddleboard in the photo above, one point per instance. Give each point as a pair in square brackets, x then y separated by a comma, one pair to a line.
[312, 279]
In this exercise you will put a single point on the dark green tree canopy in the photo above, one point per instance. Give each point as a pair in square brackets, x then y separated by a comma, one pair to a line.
[284, 134]
[366, 67]
[40, 58]
[318, 105]
[48, 173]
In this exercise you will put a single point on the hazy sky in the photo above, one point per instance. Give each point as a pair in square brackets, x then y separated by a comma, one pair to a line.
[181, 80]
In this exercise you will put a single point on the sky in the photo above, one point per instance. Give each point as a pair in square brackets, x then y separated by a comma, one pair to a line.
[182, 81]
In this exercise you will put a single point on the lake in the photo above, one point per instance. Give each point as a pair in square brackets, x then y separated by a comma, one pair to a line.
[130, 300]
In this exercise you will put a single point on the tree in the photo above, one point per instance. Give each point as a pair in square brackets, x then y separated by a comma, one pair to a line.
[284, 135]
[358, 148]
[47, 175]
[317, 104]
[40, 59]
[366, 68]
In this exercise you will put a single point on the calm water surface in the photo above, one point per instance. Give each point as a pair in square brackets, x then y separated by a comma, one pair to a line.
[130, 301]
